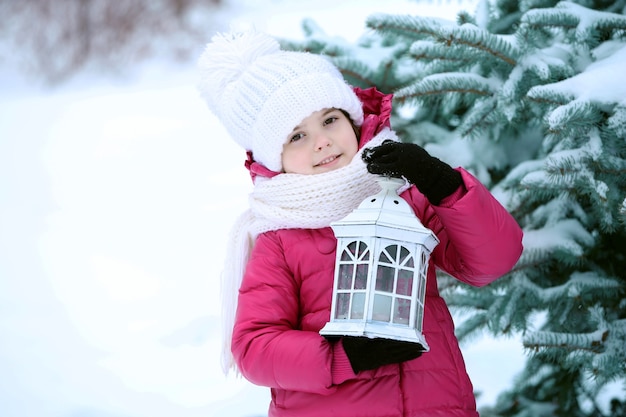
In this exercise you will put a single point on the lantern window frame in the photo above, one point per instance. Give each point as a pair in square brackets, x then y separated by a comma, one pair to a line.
[381, 221]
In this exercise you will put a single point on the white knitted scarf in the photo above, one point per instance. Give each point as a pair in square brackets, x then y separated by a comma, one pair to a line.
[289, 201]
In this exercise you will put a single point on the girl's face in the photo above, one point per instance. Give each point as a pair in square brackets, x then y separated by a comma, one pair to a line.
[322, 142]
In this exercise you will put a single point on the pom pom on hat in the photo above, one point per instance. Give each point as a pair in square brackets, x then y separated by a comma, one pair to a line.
[227, 57]
[260, 92]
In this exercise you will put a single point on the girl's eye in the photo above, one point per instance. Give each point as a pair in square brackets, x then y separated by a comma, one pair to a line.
[296, 137]
[330, 120]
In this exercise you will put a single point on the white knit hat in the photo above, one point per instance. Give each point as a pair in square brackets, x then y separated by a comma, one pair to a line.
[260, 93]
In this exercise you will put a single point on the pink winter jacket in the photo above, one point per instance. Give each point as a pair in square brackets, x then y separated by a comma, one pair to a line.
[285, 299]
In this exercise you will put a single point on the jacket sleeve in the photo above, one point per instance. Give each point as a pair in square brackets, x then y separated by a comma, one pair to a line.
[479, 240]
[267, 345]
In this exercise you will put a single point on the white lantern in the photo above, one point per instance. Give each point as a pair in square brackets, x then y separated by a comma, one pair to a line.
[380, 270]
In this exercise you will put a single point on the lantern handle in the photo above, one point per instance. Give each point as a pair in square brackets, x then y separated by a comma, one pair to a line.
[390, 183]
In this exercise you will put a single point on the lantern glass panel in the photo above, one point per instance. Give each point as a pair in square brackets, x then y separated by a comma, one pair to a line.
[356, 250]
[404, 254]
[384, 279]
[405, 282]
[345, 277]
[422, 277]
[382, 308]
[350, 252]
[361, 276]
[343, 306]
[421, 288]
[363, 253]
[402, 311]
[358, 305]
[388, 255]
[419, 314]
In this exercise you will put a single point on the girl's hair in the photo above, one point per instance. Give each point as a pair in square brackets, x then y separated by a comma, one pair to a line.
[357, 129]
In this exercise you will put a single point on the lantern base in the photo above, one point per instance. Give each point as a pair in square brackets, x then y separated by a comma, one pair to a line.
[374, 329]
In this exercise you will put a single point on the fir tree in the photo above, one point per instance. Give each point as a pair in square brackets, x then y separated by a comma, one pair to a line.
[530, 97]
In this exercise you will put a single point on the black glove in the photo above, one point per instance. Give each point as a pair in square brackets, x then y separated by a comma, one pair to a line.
[432, 177]
[365, 353]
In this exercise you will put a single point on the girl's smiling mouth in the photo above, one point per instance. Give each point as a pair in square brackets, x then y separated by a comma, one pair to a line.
[327, 160]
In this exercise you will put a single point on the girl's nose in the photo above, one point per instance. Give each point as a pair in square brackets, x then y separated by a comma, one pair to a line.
[322, 141]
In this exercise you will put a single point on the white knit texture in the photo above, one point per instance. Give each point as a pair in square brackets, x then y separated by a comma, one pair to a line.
[291, 201]
[261, 93]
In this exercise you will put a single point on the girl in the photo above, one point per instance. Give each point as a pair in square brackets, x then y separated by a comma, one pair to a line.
[313, 146]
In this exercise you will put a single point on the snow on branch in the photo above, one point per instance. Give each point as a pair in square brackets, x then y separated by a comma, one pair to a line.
[576, 115]
[593, 342]
[579, 282]
[617, 122]
[589, 25]
[585, 85]
[478, 118]
[405, 26]
[552, 17]
[423, 50]
[440, 84]
[479, 40]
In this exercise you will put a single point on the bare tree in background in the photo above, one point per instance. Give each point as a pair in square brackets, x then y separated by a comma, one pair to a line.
[55, 39]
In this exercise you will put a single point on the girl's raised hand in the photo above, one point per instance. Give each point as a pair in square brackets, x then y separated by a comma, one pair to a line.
[432, 177]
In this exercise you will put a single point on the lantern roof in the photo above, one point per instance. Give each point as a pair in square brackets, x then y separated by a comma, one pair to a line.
[386, 215]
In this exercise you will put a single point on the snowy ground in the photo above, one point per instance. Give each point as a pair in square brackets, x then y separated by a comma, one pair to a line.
[115, 201]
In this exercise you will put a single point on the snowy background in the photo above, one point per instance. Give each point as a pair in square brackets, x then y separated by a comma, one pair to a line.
[116, 197]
